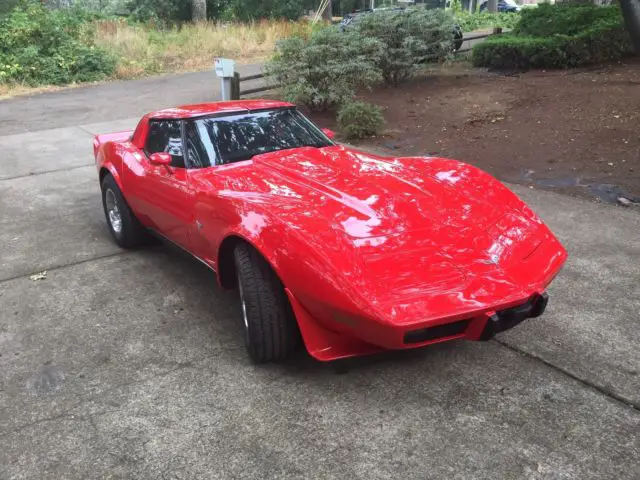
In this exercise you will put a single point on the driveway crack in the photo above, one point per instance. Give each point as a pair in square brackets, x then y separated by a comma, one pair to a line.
[607, 392]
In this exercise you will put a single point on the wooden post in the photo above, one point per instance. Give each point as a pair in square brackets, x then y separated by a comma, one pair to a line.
[235, 86]
[497, 30]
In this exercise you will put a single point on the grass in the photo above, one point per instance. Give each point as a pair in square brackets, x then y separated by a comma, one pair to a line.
[144, 49]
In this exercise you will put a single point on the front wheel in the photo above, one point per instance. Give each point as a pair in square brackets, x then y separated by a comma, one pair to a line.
[271, 332]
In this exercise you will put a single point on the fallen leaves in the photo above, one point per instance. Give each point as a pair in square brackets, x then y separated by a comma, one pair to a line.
[38, 276]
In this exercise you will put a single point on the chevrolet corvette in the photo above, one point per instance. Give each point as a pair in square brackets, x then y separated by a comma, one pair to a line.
[349, 252]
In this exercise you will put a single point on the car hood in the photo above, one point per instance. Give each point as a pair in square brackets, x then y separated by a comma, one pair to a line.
[368, 197]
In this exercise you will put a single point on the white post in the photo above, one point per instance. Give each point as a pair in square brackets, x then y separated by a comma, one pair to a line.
[224, 68]
[225, 88]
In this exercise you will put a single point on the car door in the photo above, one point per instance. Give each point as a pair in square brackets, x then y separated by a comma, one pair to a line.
[204, 184]
[163, 194]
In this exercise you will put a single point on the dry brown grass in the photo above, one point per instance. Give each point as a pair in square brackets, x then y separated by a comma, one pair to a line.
[15, 89]
[144, 49]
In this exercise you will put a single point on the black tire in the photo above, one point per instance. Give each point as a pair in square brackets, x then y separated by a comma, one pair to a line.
[129, 233]
[271, 331]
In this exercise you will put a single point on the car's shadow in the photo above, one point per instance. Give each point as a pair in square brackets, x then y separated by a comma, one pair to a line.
[226, 320]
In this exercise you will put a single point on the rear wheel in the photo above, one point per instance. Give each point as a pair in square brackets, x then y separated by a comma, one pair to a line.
[271, 332]
[124, 226]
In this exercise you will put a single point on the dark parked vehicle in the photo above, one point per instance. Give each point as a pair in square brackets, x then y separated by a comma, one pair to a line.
[504, 6]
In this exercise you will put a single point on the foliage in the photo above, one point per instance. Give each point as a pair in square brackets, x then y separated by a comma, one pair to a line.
[6, 6]
[165, 11]
[43, 46]
[537, 43]
[325, 69]
[564, 19]
[108, 7]
[247, 10]
[476, 21]
[410, 38]
[360, 120]
[455, 6]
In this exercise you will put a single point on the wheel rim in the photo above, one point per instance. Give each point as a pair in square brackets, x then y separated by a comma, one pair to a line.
[243, 304]
[113, 211]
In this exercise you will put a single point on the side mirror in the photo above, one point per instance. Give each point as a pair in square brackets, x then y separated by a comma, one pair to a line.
[329, 133]
[160, 158]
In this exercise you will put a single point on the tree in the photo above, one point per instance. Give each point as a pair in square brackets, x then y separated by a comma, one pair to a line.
[198, 10]
[631, 14]
[492, 6]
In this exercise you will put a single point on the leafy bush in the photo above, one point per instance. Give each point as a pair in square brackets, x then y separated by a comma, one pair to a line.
[6, 6]
[409, 38]
[564, 19]
[42, 46]
[246, 10]
[537, 43]
[326, 68]
[163, 11]
[475, 21]
[360, 119]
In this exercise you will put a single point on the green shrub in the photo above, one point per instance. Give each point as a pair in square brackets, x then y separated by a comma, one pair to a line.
[41, 46]
[360, 120]
[564, 19]
[249, 10]
[6, 6]
[410, 38]
[475, 21]
[165, 12]
[325, 69]
[604, 39]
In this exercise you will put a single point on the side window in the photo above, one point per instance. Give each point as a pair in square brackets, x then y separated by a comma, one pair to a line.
[200, 151]
[166, 136]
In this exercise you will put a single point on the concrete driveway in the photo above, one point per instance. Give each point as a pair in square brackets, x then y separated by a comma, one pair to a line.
[131, 365]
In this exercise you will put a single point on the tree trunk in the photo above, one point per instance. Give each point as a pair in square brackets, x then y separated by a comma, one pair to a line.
[198, 10]
[327, 14]
[631, 14]
[492, 6]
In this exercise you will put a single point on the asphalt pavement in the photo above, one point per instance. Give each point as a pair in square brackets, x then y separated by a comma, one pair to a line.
[131, 364]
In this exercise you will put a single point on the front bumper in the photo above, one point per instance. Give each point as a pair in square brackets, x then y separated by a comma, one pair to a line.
[325, 345]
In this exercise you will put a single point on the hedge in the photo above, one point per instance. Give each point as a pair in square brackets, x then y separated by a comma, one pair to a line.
[564, 19]
[596, 36]
[40, 46]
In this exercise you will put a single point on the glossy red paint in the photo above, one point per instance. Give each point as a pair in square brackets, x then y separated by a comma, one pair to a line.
[368, 247]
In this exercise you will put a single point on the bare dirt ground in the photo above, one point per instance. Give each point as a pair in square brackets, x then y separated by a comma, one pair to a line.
[575, 131]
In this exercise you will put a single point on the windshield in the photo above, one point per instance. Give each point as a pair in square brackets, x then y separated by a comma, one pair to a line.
[238, 137]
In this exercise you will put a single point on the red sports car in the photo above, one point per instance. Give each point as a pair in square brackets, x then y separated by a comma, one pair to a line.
[352, 252]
